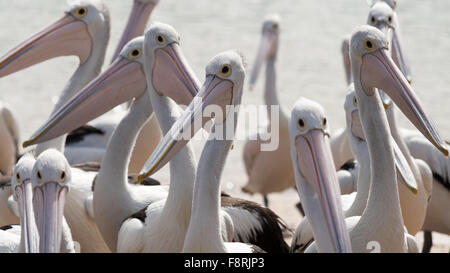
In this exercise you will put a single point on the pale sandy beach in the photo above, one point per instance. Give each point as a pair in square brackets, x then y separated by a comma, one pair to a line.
[309, 62]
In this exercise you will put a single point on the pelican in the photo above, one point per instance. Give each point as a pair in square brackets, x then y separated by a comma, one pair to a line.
[207, 223]
[50, 179]
[87, 23]
[88, 143]
[315, 176]
[414, 204]
[84, 32]
[280, 175]
[28, 239]
[259, 221]
[356, 203]
[373, 68]
[416, 145]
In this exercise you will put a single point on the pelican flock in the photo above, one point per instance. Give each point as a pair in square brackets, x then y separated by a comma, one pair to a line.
[93, 176]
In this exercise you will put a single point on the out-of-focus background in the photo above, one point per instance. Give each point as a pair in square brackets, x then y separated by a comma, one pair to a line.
[309, 60]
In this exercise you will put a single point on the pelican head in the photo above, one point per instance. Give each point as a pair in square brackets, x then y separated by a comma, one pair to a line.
[373, 68]
[137, 21]
[316, 176]
[168, 72]
[50, 178]
[222, 88]
[268, 46]
[23, 194]
[383, 17]
[72, 35]
[391, 3]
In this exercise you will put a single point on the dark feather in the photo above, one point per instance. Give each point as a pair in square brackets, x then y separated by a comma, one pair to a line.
[6, 227]
[349, 165]
[141, 215]
[441, 180]
[270, 237]
[80, 133]
[88, 166]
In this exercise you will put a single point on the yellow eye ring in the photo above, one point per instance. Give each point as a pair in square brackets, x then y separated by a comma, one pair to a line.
[18, 177]
[62, 176]
[81, 12]
[135, 53]
[355, 102]
[160, 39]
[225, 70]
[301, 124]
[368, 44]
[39, 176]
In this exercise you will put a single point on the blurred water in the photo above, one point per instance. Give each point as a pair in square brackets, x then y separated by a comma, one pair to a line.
[309, 60]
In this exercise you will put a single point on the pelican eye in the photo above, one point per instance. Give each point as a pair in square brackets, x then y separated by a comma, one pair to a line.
[81, 12]
[324, 122]
[160, 39]
[373, 20]
[301, 124]
[275, 26]
[368, 44]
[355, 102]
[62, 176]
[135, 53]
[39, 176]
[225, 70]
[19, 178]
[390, 19]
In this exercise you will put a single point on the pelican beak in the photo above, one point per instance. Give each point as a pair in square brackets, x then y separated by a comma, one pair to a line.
[172, 76]
[49, 200]
[215, 91]
[24, 193]
[120, 82]
[385, 99]
[67, 36]
[346, 59]
[322, 203]
[403, 169]
[267, 47]
[380, 71]
[401, 164]
[136, 23]
[398, 54]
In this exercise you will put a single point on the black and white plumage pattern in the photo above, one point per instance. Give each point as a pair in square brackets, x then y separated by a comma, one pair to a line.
[80, 133]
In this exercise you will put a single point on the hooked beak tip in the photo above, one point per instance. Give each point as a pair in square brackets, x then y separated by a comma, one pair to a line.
[139, 179]
[27, 143]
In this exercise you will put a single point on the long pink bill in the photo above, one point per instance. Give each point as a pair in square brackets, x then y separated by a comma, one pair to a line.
[49, 200]
[66, 36]
[379, 71]
[322, 203]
